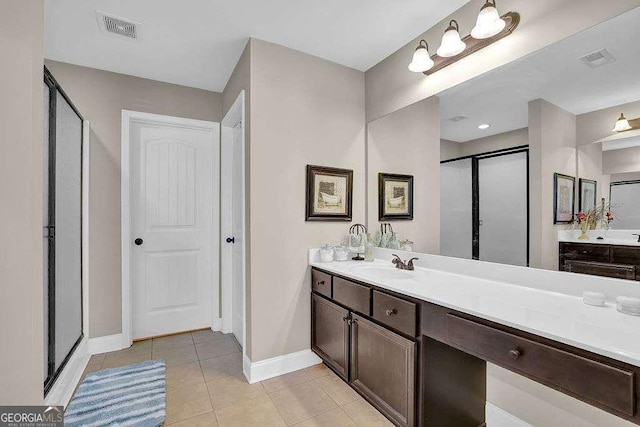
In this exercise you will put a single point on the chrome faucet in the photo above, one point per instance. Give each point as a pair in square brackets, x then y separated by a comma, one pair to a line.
[401, 265]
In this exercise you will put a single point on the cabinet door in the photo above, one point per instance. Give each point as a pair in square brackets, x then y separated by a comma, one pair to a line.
[330, 334]
[383, 367]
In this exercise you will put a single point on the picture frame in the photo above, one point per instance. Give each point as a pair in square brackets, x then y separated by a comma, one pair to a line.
[587, 194]
[395, 197]
[564, 187]
[329, 194]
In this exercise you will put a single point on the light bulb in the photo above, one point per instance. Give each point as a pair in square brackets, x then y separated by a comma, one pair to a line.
[421, 61]
[488, 23]
[451, 44]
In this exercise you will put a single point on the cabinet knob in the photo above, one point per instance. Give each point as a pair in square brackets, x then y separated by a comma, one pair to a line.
[344, 319]
[391, 312]
[320, 282]
[514, 354]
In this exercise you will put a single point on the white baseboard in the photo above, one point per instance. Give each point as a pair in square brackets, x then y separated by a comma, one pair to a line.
[217, 324]
[106, 344]
[62, 390]
[269, 368]
[496, 417]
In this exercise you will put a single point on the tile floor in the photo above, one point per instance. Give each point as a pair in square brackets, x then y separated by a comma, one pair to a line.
[206, 387]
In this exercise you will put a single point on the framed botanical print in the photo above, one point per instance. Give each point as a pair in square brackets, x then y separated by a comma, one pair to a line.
[329, 194]
[587, 194]
[395, 197]
[564, 188]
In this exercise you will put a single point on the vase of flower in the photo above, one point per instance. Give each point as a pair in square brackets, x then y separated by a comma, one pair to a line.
[584, 226]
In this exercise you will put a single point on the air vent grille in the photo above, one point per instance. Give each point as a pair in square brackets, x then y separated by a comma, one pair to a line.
[119, 26]
[457, 118]
[598, 59]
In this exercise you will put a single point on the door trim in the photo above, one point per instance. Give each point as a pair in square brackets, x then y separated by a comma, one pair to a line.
[226, 218]
[129, 117]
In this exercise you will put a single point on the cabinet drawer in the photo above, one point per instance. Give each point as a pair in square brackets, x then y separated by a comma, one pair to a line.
[321, 282]
[618, 271]
[585, 378]
[355, 296]
[625, 255]
[581, 251]
[395, 312]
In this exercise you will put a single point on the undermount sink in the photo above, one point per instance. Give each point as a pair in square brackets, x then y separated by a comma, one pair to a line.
[381, 272]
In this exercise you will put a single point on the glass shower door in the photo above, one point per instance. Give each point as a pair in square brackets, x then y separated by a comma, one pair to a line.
[456, 209]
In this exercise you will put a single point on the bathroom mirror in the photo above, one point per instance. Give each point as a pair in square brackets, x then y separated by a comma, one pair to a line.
[502, 137]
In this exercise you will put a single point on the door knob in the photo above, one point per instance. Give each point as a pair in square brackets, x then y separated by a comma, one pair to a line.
[138, 241]
[231, 239]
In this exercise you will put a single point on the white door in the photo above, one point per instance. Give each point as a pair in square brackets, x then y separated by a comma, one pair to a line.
[233, 218]
[174, 225]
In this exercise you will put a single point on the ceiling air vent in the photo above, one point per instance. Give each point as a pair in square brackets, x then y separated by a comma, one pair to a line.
[457, 118]
[598, 59]
[119, 26]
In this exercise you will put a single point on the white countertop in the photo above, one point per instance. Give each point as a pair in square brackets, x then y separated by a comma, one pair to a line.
[610, 237]
[554, 315]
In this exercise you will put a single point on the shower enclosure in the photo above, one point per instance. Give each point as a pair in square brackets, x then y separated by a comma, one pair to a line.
[62, 229]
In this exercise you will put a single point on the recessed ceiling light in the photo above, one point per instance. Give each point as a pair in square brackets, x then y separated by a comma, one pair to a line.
[483, 127]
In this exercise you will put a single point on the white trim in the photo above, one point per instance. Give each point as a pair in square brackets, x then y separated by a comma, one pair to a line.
[276, 366]
[226, 172]
[497, 417]
[86, 150]
[125, 201]
[217, 324]
[65, 384]
[106, 344]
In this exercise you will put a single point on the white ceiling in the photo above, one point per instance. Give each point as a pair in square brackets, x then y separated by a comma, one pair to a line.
[500, 98]
[198, 42]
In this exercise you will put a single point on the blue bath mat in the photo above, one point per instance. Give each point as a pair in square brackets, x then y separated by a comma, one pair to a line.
[133, 395]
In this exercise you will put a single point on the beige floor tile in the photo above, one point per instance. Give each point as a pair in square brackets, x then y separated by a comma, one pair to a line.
[184, 375]
[204, 420]
[334, 418]
[365, 415]
[233, 390]
[206, 335]
[177, 356]
[337, 389]
[221, 366]
[97, 359]
[319, 370]
[211, 349]
[286, 380]
[257, 412]
[172, 341]
[187, 402]
[302, 401]
[123, 358]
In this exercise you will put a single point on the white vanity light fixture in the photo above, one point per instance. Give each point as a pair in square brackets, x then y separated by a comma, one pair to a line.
[421, 61]
[484, 126]
[489, 22]
[622, 124]
[452, 44]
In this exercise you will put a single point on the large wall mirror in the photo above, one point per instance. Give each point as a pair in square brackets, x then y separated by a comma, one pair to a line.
[503, 136]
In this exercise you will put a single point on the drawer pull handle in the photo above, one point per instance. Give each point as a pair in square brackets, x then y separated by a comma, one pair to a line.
[514, 354]
[391, 312]
[320, 282]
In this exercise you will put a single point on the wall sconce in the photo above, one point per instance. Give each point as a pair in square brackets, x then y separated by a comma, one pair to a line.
[421, 61]
[623, 125]
[489, 28]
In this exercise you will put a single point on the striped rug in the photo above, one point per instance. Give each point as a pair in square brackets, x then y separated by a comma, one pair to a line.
[133, 395]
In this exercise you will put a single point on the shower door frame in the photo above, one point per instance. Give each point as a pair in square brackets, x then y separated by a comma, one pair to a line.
[475, 193]
[52, 373]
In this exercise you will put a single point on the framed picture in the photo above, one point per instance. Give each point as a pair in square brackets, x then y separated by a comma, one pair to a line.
[587, 194]
[329, 194]
[564, 188]
[395, 197]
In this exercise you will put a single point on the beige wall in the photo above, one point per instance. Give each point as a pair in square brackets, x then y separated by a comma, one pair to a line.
[305, 110]
[450, 149]
[501, 141]
[407, 142]
[390, 86]
[552, 148]
[241, 80]
[21, 200]
[101, 96]
[626, 160]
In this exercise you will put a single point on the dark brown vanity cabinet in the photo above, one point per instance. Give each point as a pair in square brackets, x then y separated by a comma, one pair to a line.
[368, 337]
[620, 262]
